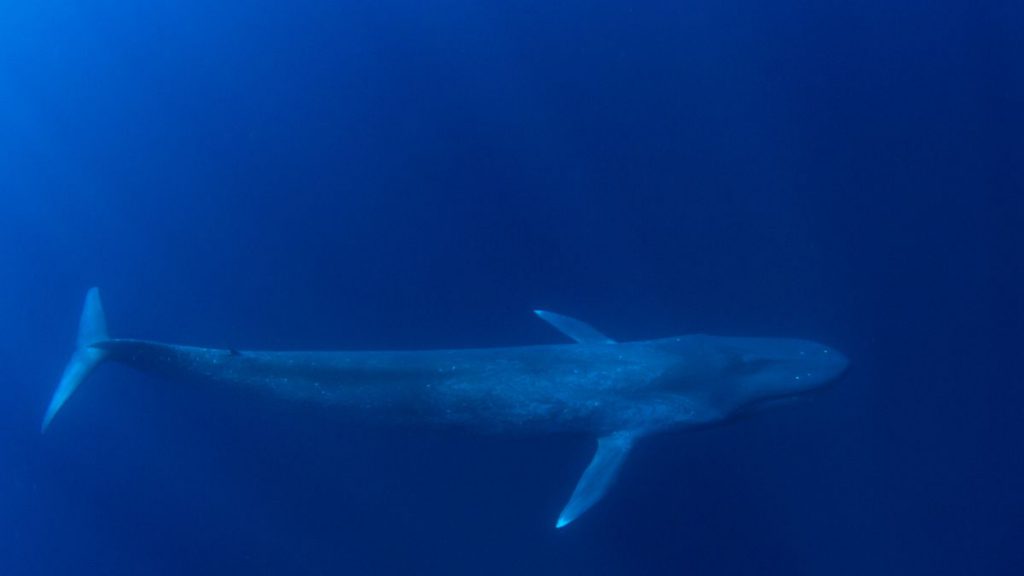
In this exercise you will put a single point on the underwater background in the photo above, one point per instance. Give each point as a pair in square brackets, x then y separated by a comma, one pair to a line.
[396, 174]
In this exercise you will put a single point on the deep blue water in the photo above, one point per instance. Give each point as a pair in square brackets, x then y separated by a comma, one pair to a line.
[398, 174]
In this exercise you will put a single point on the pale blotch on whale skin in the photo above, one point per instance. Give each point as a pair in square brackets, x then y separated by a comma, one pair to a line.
[615, 392]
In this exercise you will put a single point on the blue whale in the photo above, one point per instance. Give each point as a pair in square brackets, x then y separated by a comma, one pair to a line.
[617, 392]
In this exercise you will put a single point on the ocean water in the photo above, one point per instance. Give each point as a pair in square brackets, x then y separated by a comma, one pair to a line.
[398, 174]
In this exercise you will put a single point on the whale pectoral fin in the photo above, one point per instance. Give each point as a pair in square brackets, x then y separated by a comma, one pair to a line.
[599, 475]
[579, 331]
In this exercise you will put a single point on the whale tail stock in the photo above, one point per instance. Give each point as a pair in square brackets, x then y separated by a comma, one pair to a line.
[92, 328]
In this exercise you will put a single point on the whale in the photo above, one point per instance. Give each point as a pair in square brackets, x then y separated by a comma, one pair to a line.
[615, 392]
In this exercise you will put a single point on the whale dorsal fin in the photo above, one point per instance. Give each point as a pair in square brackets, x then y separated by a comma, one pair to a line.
[599, 475]
[579, 331]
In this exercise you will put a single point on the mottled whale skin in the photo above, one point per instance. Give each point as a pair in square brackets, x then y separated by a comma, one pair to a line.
[617, 392]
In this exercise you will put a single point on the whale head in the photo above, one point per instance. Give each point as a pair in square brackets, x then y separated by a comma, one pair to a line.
[773, 369]
[730, 375]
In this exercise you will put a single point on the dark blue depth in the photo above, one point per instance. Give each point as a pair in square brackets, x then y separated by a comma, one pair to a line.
[396, 174]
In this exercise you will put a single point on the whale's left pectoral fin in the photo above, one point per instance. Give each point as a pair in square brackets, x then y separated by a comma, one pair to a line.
[599, 475]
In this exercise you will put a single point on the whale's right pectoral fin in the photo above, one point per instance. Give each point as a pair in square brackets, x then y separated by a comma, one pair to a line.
[599, 475]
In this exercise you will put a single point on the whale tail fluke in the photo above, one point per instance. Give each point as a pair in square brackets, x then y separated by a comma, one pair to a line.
[92, 328]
